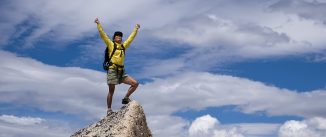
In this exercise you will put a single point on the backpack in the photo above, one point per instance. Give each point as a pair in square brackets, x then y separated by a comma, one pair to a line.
[107, 60]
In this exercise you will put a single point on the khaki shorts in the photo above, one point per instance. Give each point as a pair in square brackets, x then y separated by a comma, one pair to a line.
[116, 75]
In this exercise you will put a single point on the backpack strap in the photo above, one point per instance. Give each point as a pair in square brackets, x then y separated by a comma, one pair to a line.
[107, 61]
[114, 49]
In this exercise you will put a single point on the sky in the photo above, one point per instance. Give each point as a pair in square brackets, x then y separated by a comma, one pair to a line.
[208, 68]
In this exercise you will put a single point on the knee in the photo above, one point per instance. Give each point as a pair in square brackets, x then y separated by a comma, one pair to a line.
[110, 94]
[135, 84]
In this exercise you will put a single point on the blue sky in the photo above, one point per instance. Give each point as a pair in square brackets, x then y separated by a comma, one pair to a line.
[291, 73]
[228, 68]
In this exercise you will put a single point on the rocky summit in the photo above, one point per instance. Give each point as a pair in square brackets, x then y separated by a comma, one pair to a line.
[129, 121]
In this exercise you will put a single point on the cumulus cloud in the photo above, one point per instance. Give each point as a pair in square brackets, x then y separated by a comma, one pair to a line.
[13, 126]
[255, 129]
[207, 126]
[267, 31]
[310, 9]
[211, 30]
[215, 33]
[313, 127]
[79, 91]
[167, 125]
[66, 21]
[221, 35]
[273, 27]
[82, 92]
[202, 125]
[52, 88]
[21, 120]
[211, 90]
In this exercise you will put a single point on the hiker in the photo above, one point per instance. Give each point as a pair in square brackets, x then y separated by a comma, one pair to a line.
[116, 73]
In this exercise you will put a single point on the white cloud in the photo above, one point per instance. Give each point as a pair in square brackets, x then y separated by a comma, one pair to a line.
[256, 129]
[220, 35]
[212, 30]
[246, 39]
[216, 32]
[313, 127]
[21, 120]
[305, 31]
[310, 9]
[167, 126]
[13, 126]
[82, 92]
[227, 133]
[207, 90]
[64, 21]
[202, 125]
[271, 29]
[208, 126]
[26, 81]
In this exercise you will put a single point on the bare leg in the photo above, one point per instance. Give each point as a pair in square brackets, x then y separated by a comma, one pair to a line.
[110, 95]
[133, 85]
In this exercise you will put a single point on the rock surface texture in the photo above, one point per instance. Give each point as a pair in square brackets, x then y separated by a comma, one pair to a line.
[129, 121]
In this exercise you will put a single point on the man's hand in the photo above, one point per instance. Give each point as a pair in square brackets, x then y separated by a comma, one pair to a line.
[137, 26]
[96, 21]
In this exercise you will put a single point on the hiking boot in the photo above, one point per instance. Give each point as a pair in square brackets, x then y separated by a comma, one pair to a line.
[125, 101]
[109, 112]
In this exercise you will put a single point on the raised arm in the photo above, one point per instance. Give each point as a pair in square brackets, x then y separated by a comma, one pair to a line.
[103, 35]
[131, 36]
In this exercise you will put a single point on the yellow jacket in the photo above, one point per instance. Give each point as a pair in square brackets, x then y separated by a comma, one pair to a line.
[118, 56]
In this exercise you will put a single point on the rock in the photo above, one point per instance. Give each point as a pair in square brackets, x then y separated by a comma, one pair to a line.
[129, 121]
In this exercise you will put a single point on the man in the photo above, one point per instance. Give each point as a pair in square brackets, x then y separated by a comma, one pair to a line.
[116, 73]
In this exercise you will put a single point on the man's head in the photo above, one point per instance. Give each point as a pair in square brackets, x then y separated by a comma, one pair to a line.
[117, 37]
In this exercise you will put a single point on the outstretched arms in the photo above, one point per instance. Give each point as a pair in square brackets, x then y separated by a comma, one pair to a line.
[103, 35]
[109, 42]
[131, 36]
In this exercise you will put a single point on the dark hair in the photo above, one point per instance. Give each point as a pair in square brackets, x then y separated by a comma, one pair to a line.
[117, 33]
